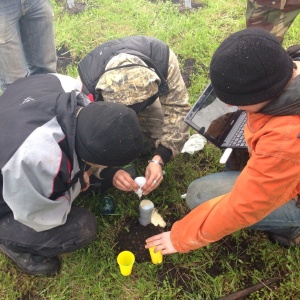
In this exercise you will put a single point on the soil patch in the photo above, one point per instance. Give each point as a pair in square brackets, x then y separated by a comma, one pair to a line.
[188, 69]
[75, 9]
[133, 236]
[63, 59]
[182, 7]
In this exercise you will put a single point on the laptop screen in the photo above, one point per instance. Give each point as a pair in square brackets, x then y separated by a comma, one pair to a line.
[211, 117]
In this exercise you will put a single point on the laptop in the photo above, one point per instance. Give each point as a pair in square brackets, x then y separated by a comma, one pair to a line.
[222, 125]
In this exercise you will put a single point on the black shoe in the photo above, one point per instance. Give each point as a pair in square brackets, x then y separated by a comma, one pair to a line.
[283, 240]
[32, 264]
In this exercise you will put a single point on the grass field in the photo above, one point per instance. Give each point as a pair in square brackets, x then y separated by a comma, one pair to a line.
[233, 263]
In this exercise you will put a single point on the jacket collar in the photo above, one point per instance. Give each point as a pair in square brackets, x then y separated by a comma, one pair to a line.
[256, 121]
[288, 103]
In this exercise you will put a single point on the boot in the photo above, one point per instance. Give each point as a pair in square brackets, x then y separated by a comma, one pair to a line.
[32, 264]
[283, 240]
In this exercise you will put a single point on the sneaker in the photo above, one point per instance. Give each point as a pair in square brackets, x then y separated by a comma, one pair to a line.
[283, 240]
[32, 264]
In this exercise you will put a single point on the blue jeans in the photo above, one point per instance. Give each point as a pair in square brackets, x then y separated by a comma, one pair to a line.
[27, 43]
[284, 221]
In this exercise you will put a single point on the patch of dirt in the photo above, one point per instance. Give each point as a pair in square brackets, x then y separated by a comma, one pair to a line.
[133, 236]
[182, 6]
[63, 59]
[194, 6]
[77, 8]
[188, 69]
[29, 296]
[230, 250]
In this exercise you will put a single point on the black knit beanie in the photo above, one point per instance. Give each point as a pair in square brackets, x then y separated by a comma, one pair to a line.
[108, 134]
[250, 67]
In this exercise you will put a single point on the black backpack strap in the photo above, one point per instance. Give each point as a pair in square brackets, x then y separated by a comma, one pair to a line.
[138, 107]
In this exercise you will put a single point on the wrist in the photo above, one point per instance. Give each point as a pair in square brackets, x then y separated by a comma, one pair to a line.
[164, 153]
[156, 161]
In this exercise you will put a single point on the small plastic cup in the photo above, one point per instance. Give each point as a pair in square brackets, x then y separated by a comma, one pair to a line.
[125, 261]
[157, 257]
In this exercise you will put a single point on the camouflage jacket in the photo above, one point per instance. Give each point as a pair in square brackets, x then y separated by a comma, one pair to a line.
[175, 106]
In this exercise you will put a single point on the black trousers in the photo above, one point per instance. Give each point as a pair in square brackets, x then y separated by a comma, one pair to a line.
[78, 232]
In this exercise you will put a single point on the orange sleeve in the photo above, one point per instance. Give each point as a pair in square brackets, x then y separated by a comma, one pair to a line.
[254, 196]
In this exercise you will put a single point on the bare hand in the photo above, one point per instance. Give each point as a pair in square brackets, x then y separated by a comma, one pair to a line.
[123, 181]
[162, 242]
[86, 179]
[154, 177]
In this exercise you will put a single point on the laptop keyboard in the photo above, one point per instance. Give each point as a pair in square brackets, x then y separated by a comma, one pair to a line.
[238, 139]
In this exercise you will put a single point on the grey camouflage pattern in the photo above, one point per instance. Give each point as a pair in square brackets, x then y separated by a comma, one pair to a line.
[175, 106]
[127, 85]
[163, 121]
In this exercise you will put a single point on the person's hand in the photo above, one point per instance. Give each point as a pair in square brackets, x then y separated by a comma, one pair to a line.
[123, 181]
[86, 179]
[161, 242]
[153, 175]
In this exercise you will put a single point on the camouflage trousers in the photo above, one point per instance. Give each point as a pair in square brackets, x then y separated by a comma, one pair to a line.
[275, 16]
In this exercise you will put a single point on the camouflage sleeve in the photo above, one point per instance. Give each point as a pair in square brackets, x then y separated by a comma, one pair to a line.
[275, 16]
[175, 105]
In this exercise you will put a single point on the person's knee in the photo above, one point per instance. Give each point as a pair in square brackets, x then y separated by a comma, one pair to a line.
[193, 195]
[209, 187]
[86, 225]
[79, 230]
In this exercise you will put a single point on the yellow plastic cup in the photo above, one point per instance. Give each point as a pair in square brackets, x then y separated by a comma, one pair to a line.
[157, 257]
[125, 261]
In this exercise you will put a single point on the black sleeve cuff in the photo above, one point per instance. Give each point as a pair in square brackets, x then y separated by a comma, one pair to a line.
[164, 153]
[109, 173]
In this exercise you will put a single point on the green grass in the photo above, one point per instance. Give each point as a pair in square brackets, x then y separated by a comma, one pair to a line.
[237, 261]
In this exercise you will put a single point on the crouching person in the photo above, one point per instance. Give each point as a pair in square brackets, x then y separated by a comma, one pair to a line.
[252, 71]
[142, 73]
[49, 135]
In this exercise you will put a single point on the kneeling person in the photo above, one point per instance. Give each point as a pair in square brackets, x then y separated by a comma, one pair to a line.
[50, 133]
[252, 71]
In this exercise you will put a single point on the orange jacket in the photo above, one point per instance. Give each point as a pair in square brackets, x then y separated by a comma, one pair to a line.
[270, 179]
